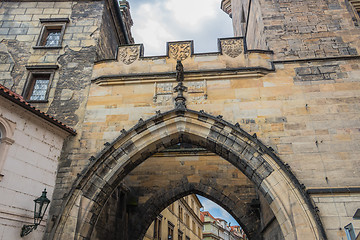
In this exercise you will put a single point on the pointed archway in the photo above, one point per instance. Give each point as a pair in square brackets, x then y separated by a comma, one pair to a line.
[290, 204]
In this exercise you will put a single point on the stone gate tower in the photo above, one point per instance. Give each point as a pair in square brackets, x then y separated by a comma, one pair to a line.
[269, 128]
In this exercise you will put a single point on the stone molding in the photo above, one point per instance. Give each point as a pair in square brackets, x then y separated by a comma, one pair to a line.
[7, 129]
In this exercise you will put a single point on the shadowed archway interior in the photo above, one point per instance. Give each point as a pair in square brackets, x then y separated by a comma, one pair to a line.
[167, 176]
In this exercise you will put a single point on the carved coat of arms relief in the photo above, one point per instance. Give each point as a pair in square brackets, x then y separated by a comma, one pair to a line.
[128, 54]
[179, 51]
[232, 47]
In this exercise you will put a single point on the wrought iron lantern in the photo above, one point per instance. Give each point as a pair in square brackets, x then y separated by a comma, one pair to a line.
[41, 204]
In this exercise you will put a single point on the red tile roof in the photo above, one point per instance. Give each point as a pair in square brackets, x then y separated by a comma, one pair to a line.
[19, 100]
[206, 213]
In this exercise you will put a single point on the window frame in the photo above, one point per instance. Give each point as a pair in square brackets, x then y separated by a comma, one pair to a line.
[47, 24]
[170, 230]
[31, 80]
[354, 12]
[180, 235]
[7, 129]
[181, 217]
[349, 231]
[157, 227]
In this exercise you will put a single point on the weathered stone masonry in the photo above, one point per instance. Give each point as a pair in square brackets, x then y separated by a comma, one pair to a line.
[301, 98]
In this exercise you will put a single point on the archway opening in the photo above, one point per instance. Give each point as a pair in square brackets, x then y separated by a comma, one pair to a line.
[194, 217]
[162, 198]
[264, 174]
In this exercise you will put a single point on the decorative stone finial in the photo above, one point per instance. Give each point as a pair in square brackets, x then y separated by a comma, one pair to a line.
[180, 88]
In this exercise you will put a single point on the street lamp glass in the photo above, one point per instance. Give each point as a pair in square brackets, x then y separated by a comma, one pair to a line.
[41, 205]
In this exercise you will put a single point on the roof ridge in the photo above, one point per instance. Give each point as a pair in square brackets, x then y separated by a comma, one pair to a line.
[19, 100]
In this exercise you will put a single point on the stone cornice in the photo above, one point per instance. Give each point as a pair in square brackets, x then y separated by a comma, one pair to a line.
[189, 76]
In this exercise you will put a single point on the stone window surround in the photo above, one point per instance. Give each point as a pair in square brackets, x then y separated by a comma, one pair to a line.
[38, 70]
[47, 23]
[7, 129]
[354, 6]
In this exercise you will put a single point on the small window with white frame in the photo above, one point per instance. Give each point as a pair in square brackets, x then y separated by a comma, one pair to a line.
[350, 232]
[52, 32]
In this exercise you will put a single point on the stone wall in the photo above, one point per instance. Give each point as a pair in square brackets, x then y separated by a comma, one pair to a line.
[109, 40]
[20, 29]
[19, 33]
[306, 111]
[299, 29]
[310, 29]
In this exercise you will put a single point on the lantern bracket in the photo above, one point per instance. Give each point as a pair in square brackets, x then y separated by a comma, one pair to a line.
[26, 229]
[41, 205]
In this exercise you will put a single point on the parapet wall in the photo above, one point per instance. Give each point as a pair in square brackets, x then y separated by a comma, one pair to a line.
[232, 55]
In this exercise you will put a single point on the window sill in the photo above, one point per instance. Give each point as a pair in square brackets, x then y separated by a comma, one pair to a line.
[47, 47]
[37, 101]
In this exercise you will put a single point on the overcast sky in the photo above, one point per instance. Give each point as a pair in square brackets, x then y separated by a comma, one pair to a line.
[159, 21]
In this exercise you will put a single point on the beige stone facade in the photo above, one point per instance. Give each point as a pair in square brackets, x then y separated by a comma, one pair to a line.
[278, 103]
[181, 220]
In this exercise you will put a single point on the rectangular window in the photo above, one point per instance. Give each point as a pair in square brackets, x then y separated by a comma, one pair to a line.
[52, 32]
[157, 228]
[180, 213]
[180, 235]
[356, 5]
[170, 231]
[187, 220]
[38, 83]
[350, 233]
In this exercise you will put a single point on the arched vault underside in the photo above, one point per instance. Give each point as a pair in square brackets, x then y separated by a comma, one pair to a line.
[168, 176]
[290, 204]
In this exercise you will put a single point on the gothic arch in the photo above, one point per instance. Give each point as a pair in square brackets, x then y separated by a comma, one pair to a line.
[289, 202]
[249, 221]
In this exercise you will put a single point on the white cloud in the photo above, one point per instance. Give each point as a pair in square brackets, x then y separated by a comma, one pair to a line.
[159, 21]
[192, 14]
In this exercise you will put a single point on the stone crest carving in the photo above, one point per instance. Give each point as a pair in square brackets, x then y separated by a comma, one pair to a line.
[197, 90]
[128, 54]
[232, 47]
[163, 92]
[180, 51]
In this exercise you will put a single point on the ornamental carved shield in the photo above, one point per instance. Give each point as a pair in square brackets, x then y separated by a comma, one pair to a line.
[128, 54]
[232, 47]
[179, 51]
